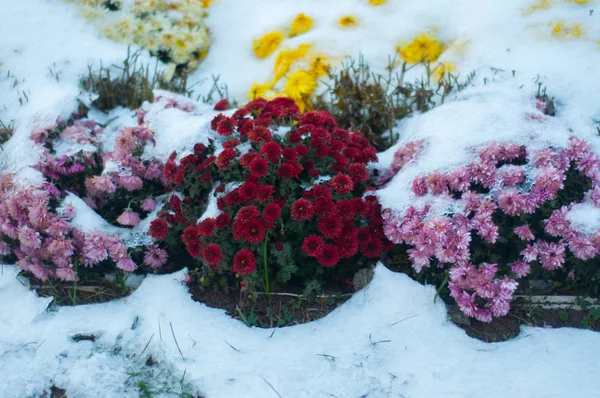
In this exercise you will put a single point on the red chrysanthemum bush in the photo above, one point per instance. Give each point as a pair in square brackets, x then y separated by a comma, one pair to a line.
[292, 196]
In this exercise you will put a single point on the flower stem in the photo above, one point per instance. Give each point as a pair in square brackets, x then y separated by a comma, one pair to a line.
[437, 293]
[267, 276]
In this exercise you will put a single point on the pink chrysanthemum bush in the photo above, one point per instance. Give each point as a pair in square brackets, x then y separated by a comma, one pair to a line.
[40, 239]
[511, 222]
[118, 184]
[291, 193]
[35, 228]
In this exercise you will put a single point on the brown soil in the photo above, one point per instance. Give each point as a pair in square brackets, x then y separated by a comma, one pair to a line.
[286, 309]
[66, 294]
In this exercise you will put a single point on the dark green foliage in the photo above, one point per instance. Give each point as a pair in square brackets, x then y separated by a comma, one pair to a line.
[6, 131]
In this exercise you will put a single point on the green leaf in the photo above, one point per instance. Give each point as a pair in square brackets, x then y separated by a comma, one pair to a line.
[563, 315]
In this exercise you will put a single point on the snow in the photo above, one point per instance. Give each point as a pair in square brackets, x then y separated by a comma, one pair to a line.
[367, 347]
[391, 339]
[584, 217]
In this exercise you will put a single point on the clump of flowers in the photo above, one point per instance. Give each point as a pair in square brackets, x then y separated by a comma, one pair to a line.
[173, 31]
[284, 181]
[511, 221]
[295, 71]
[423, 48]
[41, 241]
[117, 184]
[562, 30]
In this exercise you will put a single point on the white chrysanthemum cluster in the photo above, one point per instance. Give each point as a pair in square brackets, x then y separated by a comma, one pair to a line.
[173, 30]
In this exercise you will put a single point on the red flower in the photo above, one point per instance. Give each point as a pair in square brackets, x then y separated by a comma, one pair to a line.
[247, 158]
[358, 172]
[302, 150]
[225, 157]
[159, 228]
[226, 126]
[348, 248]
[340, 134]
[272, 151]
[330, 226]
[286, 170]
[265, 193]
[259, 133]
[232, 198]
[301, 210]
[199, 148]
[363, 234]
[318, 119]
[341, 183]
[194, 248]
[212, 254]
[231, 143]
[189, 235]
[244, 262]
[248, 191]
[289, 169]
[289, 153]
[207, 226]
[314, 173]
[253, 231]
[223, 220]
[170, 170]
[372, 248]
[279, 246]
[272, 211]
[345, 208]
[323, 206]
[329, 256]
[259, 167]
[320, 191]
[216, 120]
[295, 137]
[247, 213]
[175, 203]
[312, 245]
[222, 105]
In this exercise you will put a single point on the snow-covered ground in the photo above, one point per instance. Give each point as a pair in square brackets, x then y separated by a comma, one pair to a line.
[359, 349]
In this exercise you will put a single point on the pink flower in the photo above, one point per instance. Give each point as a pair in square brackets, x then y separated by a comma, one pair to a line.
[131, 183]
[155, 257]
[129, 218]
[148, 204]
[512, 175]
[93, 249]
[557, 224]
[28, 238]
[77, 133]
[530, 253]
[520, 268]
[393, 231]
[98, 186]
[436, 182]
[126, 264]
[552, 255]
[66, 274]
[418, 258]
[419, 186]
[582, 248]
[524, 233]
[459, 179]
[154, 171]
[511, 201]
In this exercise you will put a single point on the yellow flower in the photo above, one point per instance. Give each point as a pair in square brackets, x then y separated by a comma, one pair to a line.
[90, 12]
[424, 48]
[376, 2]
[267, 44]
[348, 21]
[319, 66]
[442, 70]
[580, 1]
[261, 91]
[538, 5]
[125, 24]
[300, 86]
[285, 59]
[562, 31]
[205, 3]
[301, 24]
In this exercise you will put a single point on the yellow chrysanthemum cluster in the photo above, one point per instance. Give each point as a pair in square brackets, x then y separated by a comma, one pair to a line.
[562, 30]
[442, 70]
[298, 69]
[423, 48]
[172, 30]
[376, 2]
[268, 43]
[546, 4]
